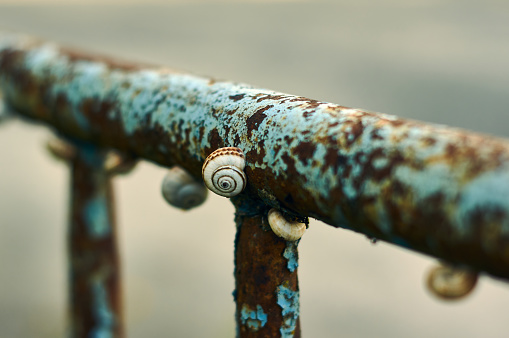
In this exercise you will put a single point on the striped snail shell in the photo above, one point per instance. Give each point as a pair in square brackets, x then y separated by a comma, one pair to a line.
[451, 283]
[181, 190]
[223, 171]
[288, 230]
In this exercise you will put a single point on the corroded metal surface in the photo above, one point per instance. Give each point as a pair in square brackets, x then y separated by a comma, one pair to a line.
[434, 189]
[266, 286]
[95, 298]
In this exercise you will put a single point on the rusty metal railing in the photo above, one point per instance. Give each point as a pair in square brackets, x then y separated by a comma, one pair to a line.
[433, 189]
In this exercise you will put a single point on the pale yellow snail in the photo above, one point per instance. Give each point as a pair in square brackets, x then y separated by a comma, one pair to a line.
[119, 163]
[181, 190]
[223, 171]
[60, 149]
[288, 230]
[450, 283]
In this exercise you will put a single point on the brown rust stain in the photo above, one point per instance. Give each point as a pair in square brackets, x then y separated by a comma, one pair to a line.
[304, 151]
[264, 97]
[254, 121]
[237, 97]
[333, 159]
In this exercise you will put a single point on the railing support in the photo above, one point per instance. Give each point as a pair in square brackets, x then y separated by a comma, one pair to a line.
[95, 298]
[267, 290]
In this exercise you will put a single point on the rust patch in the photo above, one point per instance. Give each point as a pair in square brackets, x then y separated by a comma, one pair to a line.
[428, 141]
[237, 97]
[215, 142]
[290, 162]
[335, 161]
[304, 151]
[254, 121]
[264, 97]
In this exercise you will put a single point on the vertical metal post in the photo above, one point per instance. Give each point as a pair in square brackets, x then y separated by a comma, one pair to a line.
[95, 295]
[267, 290]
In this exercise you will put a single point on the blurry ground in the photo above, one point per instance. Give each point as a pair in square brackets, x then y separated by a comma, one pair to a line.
[439, 61]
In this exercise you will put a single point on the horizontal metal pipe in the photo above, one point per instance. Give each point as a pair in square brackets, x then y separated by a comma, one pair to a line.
[438, 190]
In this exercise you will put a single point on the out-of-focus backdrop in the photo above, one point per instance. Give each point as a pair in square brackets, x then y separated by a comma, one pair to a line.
[439, 61]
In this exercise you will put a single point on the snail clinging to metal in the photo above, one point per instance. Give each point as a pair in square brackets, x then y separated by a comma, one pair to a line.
[223, 171]
[284, 228]
[181, 190]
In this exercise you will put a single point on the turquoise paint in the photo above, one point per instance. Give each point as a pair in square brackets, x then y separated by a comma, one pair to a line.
[291, 255]
[253, 319]
[288, 300]
[103, 315]
[486, 192]
[96, 217]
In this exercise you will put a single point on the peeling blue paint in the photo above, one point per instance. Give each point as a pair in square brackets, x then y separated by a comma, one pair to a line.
[485, 193]
[291, 255]
[96, 217]
[253, 319]
[103, 315]
[288, 300]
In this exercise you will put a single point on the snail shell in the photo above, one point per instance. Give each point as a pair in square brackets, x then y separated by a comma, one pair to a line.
[288, 230]
[450, 283]
[181, 190]
[223, 171]
[60, 149]
[119, 163]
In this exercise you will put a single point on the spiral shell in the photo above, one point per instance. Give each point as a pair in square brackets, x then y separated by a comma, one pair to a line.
[288, 230]
[223, 171]
[181, 190]
[451, 283]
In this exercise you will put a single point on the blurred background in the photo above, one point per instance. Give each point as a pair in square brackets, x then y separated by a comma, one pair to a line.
[439, 61]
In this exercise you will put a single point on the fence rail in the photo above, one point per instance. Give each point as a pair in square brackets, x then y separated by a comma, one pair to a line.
[434, 189]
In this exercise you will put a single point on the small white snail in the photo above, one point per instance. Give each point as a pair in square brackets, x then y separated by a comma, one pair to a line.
[60, 149]
[119, 163]
[223, 171]
[288, 230]
[181, 190]
[450, 283]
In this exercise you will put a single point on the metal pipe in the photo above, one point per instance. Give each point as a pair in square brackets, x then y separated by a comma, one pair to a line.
[438, 190]
[95, 295]
[266, 285]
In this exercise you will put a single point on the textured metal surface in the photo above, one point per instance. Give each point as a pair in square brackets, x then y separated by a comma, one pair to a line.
[95, 298]
[434, 189]
[266, 286]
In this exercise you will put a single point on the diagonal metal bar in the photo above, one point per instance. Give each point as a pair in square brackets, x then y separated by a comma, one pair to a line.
[434, 189]
[95, 295]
